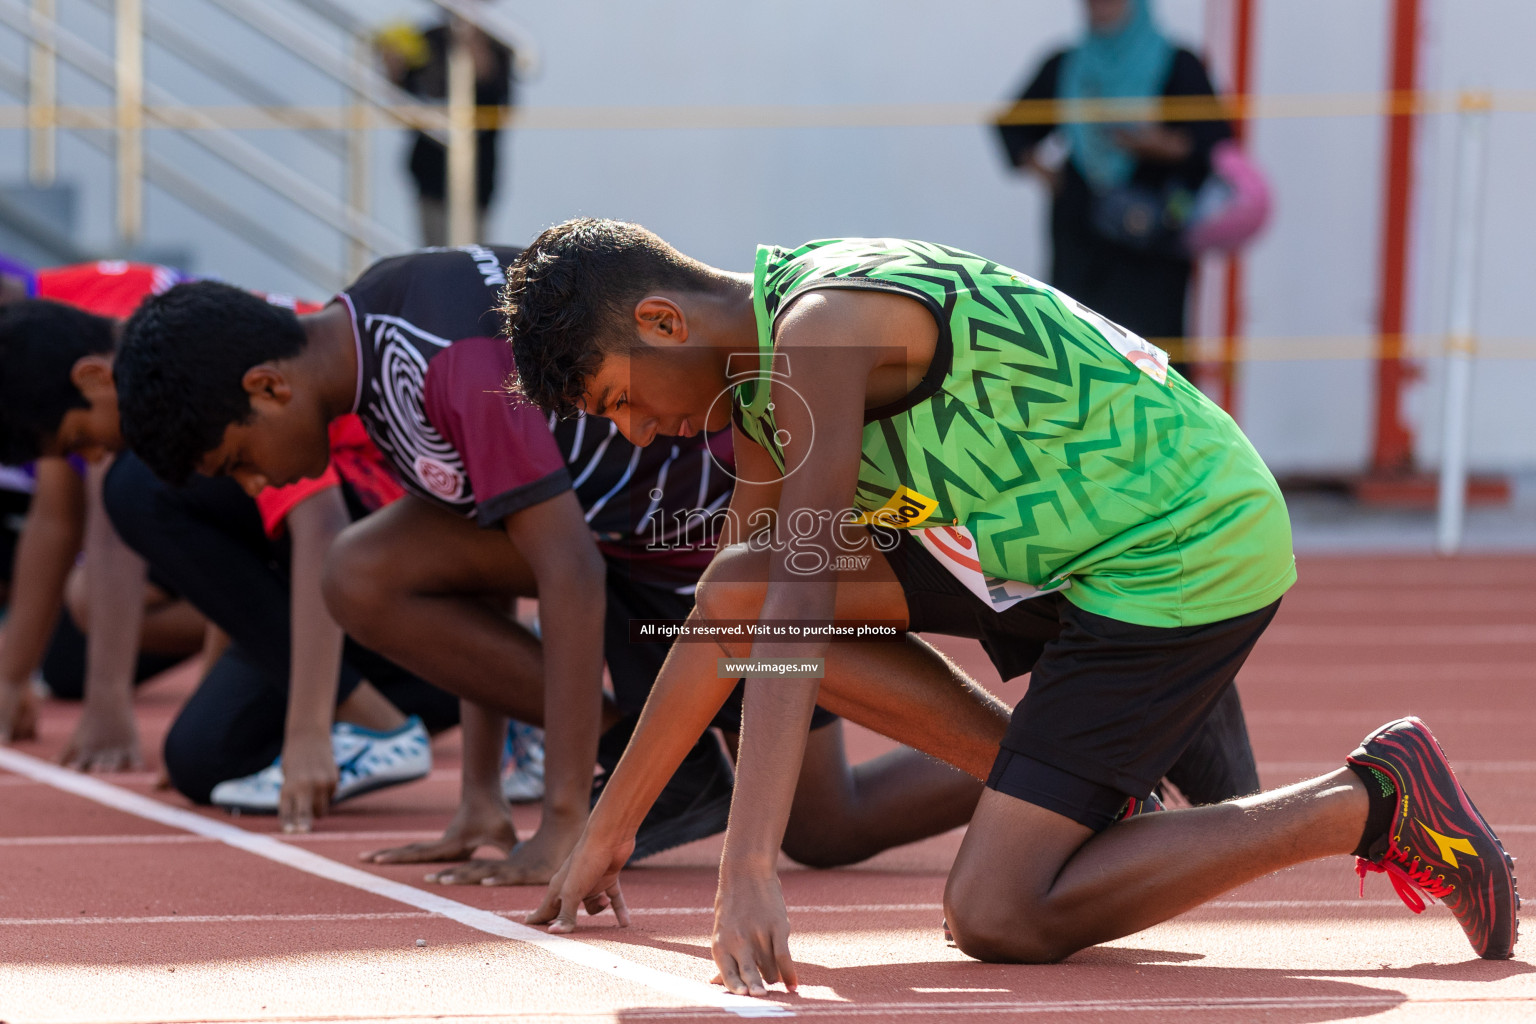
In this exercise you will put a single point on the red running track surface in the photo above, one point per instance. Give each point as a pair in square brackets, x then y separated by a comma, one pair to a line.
[108, 915]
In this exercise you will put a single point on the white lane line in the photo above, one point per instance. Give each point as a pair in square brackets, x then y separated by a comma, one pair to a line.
[1314, 767]
[1399, 636]
[52, 922]
[640, 913]
[1292, 717]
[156, 840]
[1234, 1007]
[152, 779]
[1463, 672]
[269, 847]
[175, 839]
[1501, 767]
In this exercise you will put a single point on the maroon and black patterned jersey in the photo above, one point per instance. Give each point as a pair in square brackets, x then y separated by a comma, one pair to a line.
[431, 391]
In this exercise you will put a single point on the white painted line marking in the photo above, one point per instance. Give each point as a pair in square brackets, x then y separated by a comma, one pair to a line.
[150, 780]
[1399, 636]
[1320, 767]
[51, 922]
[176, 838]
[1235, 1007]
[274, 849]
[640, 913]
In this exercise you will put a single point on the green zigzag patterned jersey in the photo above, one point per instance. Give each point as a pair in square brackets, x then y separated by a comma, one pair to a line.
[1062, 456]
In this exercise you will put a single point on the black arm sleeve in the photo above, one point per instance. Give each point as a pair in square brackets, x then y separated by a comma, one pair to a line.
[1188, 77]
[1019, 139]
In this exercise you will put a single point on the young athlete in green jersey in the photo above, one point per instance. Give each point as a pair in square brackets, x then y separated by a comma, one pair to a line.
[928, 438]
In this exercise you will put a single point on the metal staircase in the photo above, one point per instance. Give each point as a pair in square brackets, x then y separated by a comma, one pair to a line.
[338, 202]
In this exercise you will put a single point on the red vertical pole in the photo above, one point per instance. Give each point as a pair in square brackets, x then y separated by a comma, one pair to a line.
[1232, 325]
[1392, 453]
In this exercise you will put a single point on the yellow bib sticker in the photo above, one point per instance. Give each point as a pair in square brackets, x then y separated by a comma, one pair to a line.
[906, 509]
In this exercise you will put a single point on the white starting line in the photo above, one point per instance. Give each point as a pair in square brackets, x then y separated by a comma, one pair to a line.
[274, 849]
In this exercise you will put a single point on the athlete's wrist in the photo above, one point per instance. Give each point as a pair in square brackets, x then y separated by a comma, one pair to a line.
[749, 866]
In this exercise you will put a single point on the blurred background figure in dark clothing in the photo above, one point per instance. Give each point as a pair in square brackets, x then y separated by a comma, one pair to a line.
[1124, 192]
[417, 61]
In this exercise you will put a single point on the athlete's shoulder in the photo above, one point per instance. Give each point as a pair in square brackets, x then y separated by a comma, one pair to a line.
[934, 273]
[480, 265]
[788, 270]
[852, 257]
[448, 293]
[472, 361]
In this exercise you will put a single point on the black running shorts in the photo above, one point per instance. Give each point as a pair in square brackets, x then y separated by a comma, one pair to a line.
[1110, 706]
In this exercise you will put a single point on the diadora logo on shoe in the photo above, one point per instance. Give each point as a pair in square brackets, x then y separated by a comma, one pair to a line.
[906, 508]
[1448, 846]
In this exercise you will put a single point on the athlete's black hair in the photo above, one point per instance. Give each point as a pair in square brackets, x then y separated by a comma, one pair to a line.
[570, 298]
[40, 342]
[180, 369]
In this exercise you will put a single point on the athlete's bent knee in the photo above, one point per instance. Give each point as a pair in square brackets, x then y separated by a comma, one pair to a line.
[994, 928]
[185, 757]
[734, 584]
[732, 588]
[990, 937]
[356, 583]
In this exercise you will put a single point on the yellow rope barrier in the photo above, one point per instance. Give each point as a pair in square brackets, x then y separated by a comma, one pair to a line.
[1331, 348]
[192, 117]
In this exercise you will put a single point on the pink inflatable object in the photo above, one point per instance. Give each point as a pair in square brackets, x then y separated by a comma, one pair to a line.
[1229, 214]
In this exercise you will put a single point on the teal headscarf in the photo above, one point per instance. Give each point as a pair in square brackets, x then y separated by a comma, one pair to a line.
[1128, 61]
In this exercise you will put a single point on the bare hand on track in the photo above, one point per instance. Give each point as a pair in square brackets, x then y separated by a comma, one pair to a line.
[589, 877]
[18, 714]
[751, 940]
[103, 741]
[472, 827]
[530, 863]
[309, 781]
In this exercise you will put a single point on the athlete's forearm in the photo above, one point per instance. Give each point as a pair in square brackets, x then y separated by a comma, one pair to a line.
[684, 700]
[115, 582]
[50, 539]
[775, 719]
[315, 665]
[571, 609]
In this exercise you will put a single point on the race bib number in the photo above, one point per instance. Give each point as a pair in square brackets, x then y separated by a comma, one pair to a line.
[955, 549]
[906, 508]
[1146, 356]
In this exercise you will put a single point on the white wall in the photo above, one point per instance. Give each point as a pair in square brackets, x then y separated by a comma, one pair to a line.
[717, 192]
[1315, 271]
[1490, 51]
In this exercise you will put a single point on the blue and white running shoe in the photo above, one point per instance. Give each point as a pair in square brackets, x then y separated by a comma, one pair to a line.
[522, 780]
[366, 760]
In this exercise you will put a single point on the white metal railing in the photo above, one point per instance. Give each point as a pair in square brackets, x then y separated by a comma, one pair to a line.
[1460, 336]
[42, 93]
[373, 101]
